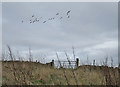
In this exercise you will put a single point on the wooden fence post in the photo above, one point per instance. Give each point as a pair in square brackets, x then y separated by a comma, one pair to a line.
[93, 62]
[52, 63]
[36, 61]
[77, 63]
[119, 72]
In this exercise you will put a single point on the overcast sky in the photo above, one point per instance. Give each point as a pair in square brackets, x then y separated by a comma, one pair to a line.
[92, 29]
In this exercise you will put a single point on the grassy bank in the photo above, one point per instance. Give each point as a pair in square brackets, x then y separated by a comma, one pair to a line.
[33, 73]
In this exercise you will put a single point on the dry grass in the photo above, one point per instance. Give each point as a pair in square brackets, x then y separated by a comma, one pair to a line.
[39, 74]
[34, 73]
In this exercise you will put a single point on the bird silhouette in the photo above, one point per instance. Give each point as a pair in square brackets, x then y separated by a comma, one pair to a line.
[61, 17]
[68, 17]
[37, 19]
[49, 19]
[68, 12]
[57, 14]
[44, 21]
[33, 21]
[32, 15]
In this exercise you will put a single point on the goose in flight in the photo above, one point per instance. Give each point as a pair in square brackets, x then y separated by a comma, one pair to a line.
[36, 20]
[30, 21]
[61, 17]
[33, 21]
[44, 21]
[49, 19]
[22, 21]
[68, 12]
[68, 16]
[57, 14]
[32, 15]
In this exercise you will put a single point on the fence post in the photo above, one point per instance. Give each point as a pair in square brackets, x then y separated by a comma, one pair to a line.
[77, 63]
[52, 63]
[119, 73]
[36, 61]
[93, 62]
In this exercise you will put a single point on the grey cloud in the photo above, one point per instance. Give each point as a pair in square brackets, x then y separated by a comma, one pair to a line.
[89, 25]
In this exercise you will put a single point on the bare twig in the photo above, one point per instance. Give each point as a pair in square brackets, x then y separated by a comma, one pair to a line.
[63, 69]
[74, 53]
[72, 69]
[13, 65]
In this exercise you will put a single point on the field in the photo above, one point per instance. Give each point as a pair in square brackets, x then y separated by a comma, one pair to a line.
[35, 73]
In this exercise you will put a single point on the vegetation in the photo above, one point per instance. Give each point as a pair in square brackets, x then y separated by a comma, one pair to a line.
[35, 73]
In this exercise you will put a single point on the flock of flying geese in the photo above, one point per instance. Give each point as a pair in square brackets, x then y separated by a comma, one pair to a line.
[34, 19]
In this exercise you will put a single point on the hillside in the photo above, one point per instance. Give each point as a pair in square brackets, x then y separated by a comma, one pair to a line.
[33, 73]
